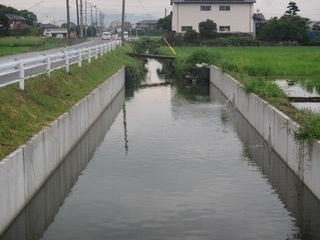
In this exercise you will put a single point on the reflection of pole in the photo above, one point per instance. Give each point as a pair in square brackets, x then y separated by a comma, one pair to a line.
[126, 146]
[122, 22]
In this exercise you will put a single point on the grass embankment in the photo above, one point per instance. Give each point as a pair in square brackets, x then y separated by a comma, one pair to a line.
[257, 68]
[24, 113]
[15, 45]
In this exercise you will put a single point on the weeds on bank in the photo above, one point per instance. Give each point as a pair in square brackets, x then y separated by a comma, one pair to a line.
[24, 113]
[310, 128]
[255, 67]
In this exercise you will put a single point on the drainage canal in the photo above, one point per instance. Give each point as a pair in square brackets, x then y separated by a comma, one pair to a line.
[163, 164]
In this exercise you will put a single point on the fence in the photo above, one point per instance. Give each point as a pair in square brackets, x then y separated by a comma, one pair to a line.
[47, 63]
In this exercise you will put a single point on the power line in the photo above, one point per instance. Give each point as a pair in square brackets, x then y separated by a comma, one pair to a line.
[36, 4]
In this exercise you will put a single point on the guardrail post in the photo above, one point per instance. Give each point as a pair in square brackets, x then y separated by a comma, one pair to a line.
[101, 50]
[89, 58]
[48, 66]
[21, 74]
[67, 61]
[80, 58]
[96, 51]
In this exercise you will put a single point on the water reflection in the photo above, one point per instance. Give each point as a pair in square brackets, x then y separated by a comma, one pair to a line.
[40, 212]
[307, 89]
[126, 146]
[300, 202]
[195, 170]
[160, 75]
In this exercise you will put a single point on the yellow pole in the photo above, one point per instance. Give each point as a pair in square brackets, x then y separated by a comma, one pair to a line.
[169, 45]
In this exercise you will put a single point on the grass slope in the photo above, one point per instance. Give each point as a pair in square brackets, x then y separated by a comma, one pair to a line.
[24, 113]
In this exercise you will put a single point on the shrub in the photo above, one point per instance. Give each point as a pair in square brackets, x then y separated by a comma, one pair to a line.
[190, 36]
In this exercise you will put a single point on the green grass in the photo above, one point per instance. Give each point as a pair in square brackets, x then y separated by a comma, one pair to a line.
[24, 113]
[257, 68]
[20, 41]
[4, 51]
[261, 61]
[15, 45]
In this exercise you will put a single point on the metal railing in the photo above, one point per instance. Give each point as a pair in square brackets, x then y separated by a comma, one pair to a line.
[47, 63]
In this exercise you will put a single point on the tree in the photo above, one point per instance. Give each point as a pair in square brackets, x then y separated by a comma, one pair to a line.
[30, 16]
[4, 25]
[36, 30]
[73, 26]
[292, 9]
[165, 24]
[286, 28]
[207, 28]
[316, 29]
[190, 36]
[91, 31]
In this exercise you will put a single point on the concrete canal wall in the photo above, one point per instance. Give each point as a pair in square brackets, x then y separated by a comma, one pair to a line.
[275, 127]
[25, 170]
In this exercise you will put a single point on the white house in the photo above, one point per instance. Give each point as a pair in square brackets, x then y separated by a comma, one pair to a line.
[229, 15]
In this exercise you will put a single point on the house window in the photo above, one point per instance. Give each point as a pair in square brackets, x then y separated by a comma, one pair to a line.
[224, 28]
[224, 8]
[205, 8]
[186, 28]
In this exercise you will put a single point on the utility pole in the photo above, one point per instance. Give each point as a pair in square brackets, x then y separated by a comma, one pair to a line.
[81, 19]
[91, 23]
[96, 19]
[77, 7]
[68, 19]
[85, 19]
[122, 23]
[101, 17]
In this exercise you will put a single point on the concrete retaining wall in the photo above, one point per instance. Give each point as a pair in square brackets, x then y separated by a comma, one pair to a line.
[275, 127]
[25, 170]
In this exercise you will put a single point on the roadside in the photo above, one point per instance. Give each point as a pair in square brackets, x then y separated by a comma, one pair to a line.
[88, 42]
[24, 113]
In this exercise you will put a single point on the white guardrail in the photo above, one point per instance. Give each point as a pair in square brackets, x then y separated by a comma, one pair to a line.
[66, 57]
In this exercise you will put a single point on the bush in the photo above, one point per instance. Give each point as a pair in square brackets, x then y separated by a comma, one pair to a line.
[183, 65]
[190, 36]
[207, 29]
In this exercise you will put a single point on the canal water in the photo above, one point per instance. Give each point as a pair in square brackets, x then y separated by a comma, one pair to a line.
[167, 164]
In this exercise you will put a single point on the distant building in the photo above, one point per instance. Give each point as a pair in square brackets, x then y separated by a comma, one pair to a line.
[229, 15]
[55, 32]
[17, 22]
[145, 25]
[48, 26]
[258, 20]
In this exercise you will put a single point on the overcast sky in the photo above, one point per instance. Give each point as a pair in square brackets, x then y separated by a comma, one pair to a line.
[56, 9]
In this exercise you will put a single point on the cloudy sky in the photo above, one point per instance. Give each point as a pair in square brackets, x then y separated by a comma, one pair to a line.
[56, 9]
